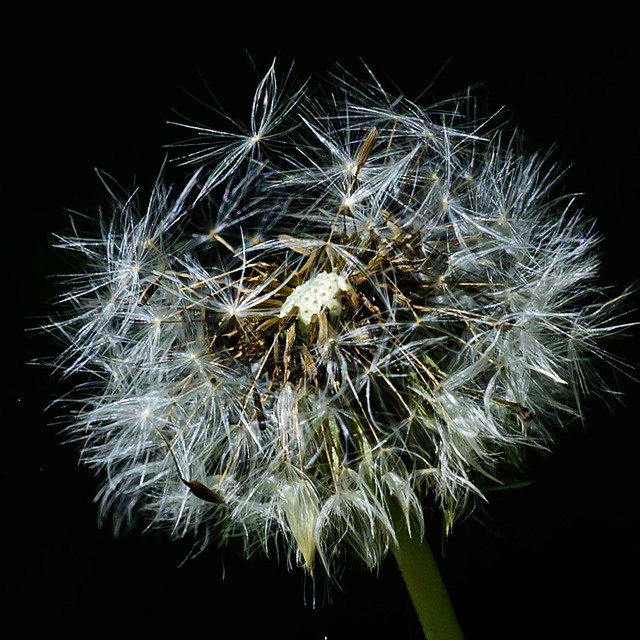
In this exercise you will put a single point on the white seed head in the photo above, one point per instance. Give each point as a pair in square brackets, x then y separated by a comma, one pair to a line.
[447, 315]
[320, 292]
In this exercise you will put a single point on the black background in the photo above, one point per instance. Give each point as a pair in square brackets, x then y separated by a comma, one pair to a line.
[556, 559]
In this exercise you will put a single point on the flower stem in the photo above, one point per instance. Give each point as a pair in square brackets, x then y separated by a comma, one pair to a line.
[424, 583]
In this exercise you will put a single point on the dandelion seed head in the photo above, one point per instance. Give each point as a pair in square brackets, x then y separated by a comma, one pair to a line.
[394, 306]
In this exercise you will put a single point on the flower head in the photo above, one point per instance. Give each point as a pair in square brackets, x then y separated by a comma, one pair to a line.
[391, 304]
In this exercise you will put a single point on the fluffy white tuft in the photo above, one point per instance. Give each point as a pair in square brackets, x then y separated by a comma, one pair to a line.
[447, 314]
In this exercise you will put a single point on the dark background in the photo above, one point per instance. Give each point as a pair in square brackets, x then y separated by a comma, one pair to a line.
[556, 559]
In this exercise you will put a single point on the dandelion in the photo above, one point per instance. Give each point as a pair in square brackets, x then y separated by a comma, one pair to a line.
[386, 308]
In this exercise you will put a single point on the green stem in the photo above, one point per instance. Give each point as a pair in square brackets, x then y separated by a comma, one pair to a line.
[424, 583]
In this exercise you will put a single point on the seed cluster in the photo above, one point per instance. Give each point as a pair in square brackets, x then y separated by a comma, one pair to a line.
[314, 296]
[384, 302]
